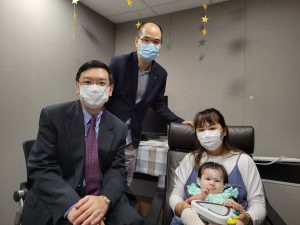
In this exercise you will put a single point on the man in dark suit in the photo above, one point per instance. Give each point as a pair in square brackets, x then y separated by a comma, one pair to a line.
[76, 166]
[140, 83]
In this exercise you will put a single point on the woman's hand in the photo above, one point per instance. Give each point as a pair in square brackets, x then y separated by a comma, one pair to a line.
[244, 218]
[180, 206]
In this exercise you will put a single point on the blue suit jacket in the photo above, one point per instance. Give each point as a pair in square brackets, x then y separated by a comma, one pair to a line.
[124, 69]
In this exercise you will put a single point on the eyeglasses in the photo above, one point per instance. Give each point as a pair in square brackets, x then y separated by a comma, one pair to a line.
[148, 41]
[99, 83]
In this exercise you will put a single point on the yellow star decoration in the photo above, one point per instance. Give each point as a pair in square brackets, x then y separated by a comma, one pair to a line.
[139, 13]
[204, 19]
[74, 15]
[138, 24]
[74, 26]
[129, 3]
[75, 1]
[204, 32]
[205, 6]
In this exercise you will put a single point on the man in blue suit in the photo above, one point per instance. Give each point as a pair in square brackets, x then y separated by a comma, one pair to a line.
[139, 83]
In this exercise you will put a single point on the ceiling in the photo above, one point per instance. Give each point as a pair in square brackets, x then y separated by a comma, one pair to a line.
[118, 11]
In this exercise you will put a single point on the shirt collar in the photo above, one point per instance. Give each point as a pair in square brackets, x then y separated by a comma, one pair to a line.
[143, 72]
[87, 117]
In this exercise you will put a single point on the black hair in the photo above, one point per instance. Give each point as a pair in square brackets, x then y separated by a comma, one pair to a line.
[94, 64]
[139, 32]
[211, 116]
[215, 166]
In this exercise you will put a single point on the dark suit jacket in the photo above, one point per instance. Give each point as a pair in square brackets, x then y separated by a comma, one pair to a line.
[125, 69]
[56, 162]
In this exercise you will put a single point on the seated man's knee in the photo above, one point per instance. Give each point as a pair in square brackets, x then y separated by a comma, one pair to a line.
[137, 220]
[130, 218]
[124, 214]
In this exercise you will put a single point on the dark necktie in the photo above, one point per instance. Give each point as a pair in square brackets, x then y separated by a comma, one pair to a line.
[92, 173]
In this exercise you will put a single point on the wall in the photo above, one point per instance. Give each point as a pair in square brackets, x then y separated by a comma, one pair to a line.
[248, 69]
[39, 60]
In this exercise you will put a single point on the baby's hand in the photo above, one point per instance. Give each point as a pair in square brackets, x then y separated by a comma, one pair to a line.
[200, 196]
[205, 191]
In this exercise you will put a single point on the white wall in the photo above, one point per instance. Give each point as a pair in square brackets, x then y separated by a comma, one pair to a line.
[39, 61]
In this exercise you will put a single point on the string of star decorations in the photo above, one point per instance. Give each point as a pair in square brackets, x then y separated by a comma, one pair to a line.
[204, 19]
[203, 27]
[74, 16]
[139, 3]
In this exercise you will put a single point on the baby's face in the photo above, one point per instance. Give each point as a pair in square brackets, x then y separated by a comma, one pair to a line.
[213, 180]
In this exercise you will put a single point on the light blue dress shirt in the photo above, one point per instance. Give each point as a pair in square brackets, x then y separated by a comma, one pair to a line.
[87, 117]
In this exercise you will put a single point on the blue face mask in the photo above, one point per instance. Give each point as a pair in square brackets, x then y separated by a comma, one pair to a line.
[149, 52]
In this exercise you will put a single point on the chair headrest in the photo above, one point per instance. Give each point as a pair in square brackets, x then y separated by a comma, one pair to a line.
[181, 137]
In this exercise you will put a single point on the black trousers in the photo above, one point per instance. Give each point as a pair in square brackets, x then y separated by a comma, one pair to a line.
[123, 213]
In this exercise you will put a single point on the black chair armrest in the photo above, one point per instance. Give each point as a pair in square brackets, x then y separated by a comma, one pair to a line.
[157, 203]
[19, 196]
[21, 193]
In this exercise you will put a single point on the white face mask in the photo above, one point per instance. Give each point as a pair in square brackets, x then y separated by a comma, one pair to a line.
[210, 139]
[93, 96]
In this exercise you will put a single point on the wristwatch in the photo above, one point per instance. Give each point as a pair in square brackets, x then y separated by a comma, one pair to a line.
[106, 199]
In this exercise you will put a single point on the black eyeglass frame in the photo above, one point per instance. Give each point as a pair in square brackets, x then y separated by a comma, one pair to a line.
[147, 40]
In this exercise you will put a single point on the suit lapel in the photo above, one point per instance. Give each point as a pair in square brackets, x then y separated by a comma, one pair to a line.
[75, 134]
[76, 138]
[105, 137]
[133, 73]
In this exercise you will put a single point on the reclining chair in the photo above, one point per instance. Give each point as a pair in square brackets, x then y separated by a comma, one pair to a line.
[181, 140]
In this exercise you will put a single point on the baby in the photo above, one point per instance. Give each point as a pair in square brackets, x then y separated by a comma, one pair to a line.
[211, 181]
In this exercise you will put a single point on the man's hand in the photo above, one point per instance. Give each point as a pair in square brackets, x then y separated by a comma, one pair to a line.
[89, 210]
[188, 122]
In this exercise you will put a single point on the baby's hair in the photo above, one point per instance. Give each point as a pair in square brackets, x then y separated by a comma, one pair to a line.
[214, 166]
